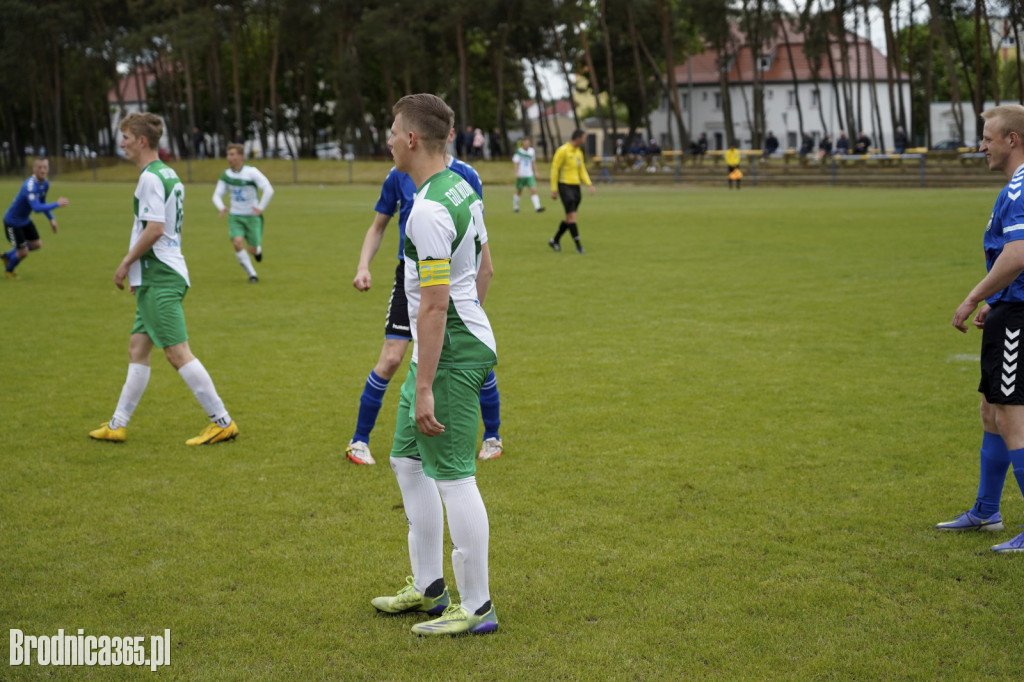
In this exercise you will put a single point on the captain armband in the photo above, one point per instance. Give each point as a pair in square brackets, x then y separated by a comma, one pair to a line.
[435, 272]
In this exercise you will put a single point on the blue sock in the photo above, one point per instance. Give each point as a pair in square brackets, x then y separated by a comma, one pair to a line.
[490, 406]
[12, 260]
[369, 406]
[1017, 461]
[995, 461]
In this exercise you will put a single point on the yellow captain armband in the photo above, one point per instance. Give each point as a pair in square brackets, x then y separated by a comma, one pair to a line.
[435, 272]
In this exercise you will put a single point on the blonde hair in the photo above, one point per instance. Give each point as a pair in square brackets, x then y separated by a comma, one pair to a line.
[1009, 117]
[145, 125]
[428, 116]
[240, 148]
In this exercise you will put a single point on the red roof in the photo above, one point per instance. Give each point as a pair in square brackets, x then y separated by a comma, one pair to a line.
[129, 86]
[705, 64]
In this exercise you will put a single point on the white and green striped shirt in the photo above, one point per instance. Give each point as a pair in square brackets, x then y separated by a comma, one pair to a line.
[443, 237]
[243, 185]
[159, 198]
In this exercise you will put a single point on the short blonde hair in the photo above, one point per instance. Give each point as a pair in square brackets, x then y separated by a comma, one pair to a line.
[1009, 117]
[428, 116]
[240, 148]
[146, 125]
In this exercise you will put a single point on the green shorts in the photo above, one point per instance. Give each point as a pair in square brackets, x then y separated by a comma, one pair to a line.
[452, 454]
[159, 315]
[248, 226]
[522, 183]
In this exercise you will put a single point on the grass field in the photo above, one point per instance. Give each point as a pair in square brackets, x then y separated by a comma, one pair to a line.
[729, 431]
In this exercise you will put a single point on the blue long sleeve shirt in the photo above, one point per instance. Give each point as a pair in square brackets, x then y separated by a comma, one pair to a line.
[31, 197]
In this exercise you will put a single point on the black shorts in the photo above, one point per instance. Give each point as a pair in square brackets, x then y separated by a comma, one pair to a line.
[570, 195]
[21, 236]
[396, 324]
[1001, 382]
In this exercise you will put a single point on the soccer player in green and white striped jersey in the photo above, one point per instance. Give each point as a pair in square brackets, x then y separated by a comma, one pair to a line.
[156, 272]
[433, 453]
[245, 224]
[525, 160]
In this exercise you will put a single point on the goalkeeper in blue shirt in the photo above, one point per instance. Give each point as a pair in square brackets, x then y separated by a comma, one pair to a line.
[18, 226]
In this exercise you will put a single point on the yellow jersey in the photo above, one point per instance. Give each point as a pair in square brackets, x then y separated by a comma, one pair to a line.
[732, 157]
[568, 167]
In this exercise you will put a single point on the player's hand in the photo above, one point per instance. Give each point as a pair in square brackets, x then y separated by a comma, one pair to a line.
[979, 319]
[62, 202]
[424, 414]
[257, 211]
[363, 280]
[119, 276]
[963, 311]
[223, 212]
[554, 195]
[53, 226]
[592, 189]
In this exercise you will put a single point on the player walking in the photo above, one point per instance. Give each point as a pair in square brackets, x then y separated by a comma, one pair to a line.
[525, 160]
[245, 224]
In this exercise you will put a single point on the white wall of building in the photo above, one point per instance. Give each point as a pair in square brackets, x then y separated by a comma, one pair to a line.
[780, 113]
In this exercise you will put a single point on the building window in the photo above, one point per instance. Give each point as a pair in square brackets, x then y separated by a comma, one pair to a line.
[718, 100]
[791, 97]
[686, 100]
[769, 92]
[815, 97]
[764, 63]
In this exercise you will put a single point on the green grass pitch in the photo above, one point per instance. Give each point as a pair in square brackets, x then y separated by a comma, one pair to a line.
[729, 427]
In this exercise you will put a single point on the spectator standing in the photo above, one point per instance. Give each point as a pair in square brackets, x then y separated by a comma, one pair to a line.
[495, 141]
[478, 144]
[900, 141]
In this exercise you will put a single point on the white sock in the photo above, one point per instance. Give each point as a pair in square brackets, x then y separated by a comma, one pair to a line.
[131, 393]
[198, 379]
[425, 515]
[536, 202]
[515, 202]
[243, 260]
[259, 250]
[467, 524]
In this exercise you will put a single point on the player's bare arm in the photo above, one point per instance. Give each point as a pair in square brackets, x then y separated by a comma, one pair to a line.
[371, 244]
[1007, 268]
[430, 328]
[150, 236]
[485, 273]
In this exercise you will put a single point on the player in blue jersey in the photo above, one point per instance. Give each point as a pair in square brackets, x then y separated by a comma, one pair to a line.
[1001, 319]
[18, 226]
[396, 195]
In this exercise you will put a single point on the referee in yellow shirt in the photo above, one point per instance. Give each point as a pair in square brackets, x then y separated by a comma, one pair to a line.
[567, 171]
